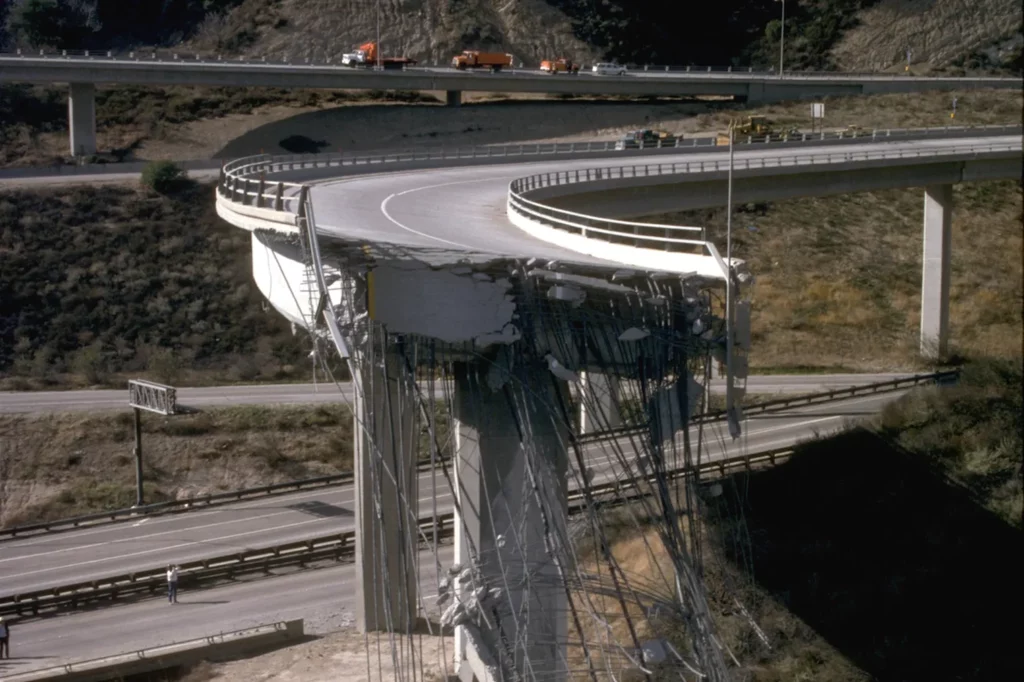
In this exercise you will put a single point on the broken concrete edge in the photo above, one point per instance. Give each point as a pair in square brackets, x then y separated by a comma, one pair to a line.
[222, 646]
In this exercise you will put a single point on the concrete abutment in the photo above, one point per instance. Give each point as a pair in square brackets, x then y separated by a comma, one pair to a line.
[935, 269]
[82, 118]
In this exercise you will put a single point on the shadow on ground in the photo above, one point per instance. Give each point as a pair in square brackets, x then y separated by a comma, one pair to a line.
[370, 127]
[900, 571]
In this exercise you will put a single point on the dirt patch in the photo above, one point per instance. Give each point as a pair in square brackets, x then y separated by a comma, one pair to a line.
[337, 657]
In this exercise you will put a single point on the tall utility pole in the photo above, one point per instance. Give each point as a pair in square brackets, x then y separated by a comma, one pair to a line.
[729, 292]
[782, 38]
[379, 53]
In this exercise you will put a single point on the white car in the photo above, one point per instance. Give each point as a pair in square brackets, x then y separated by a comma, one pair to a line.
[606, 69]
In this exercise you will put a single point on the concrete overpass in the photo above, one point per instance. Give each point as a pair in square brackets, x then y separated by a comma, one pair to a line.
[433, 252]
[84, 71]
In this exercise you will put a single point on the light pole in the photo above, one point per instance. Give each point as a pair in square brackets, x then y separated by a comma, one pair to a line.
[782, 37]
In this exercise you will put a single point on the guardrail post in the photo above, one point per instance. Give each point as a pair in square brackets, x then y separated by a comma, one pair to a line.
[259, 193]
[279, 197]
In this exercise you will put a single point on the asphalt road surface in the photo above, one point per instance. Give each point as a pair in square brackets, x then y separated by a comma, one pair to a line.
[324, 598]
[307, 394]
[50, 560]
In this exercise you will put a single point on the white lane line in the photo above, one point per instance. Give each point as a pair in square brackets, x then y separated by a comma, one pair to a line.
[158, 549]
[384, 210]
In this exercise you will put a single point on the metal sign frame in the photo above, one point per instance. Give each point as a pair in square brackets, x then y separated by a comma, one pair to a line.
[152, 397]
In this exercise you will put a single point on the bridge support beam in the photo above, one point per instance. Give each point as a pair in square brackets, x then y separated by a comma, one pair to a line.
[938, 213]
[599, 398]
[453, 98]
[82, 118]
[510, 451]
[385, 480]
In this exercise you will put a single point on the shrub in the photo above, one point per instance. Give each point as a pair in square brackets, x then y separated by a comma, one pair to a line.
[163, 177]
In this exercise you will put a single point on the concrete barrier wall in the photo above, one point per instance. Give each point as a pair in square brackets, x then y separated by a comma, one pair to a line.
[220, 646]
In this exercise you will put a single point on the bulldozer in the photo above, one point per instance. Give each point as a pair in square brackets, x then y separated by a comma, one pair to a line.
[754, 129]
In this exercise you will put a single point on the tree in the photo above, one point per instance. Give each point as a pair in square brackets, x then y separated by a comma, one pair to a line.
[163, 177]
[61, 24]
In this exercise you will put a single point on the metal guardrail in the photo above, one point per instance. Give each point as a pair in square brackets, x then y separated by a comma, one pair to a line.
[337, 547]
[335, 480]
[244, 181]
[179, 506]
[657, 236]
[163, 56]
[141, 584]
[768, 406]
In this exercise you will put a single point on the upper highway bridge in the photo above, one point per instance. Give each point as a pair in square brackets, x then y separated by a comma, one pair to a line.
[84, 70]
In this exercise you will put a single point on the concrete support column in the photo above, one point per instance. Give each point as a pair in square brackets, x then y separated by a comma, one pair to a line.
[938, 213]
[386, 541]
[599, 402]
[453, 98]
[82, 118]
[510, 451]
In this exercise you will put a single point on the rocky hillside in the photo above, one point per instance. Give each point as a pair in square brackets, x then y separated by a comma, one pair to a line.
[820, 34]
[938, 33]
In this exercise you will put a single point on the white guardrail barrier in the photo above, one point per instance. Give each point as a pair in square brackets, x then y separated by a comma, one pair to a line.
[246, 181]
[683, 238]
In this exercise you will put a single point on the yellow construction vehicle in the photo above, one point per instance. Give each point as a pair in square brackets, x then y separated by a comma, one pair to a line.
[753, 129]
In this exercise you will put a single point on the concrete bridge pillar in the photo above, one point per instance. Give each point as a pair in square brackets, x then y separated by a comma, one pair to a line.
[938, 211]
[386, 539]
[511, 449]
[82, 118]
[599, 402]
[453, 98]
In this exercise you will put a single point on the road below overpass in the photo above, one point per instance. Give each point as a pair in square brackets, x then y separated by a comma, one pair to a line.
[51, 560]
[324, 598]
[44, 402]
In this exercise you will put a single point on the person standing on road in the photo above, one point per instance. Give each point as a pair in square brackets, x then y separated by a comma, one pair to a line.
[172, 584]
[5, 636]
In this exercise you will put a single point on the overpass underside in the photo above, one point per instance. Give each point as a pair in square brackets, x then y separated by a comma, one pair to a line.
[519, 350]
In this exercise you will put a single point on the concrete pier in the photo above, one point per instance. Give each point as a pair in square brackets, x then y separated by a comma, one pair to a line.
[600, 408]
[506, 458]
[82, 118]
[453, 98]
[938, 214]
[386, 543]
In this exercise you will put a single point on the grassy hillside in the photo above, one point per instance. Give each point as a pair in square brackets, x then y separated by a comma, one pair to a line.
[107, 280]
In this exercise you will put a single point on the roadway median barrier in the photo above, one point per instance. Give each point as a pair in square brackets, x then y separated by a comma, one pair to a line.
[943, 377]
[347, 478]
[220, 646]
[183, 505]
[204, 573]
[320, 551]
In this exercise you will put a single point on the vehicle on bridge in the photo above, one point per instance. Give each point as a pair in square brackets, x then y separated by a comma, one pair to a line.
[474, 59]
[366, 56]
[560, 65]
[646, 139]
[755, 129]
[608, 69]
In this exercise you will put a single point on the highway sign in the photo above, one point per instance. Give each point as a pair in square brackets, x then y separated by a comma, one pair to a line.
[153, 397]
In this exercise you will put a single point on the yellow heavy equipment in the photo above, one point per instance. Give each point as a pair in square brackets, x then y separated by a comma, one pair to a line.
[754, 129]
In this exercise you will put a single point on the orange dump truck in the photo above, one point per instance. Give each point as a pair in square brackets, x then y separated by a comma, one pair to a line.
[560, 65]
[474, 59]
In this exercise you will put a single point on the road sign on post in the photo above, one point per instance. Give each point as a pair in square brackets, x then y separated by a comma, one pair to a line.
[152, 397]
[817, 114]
